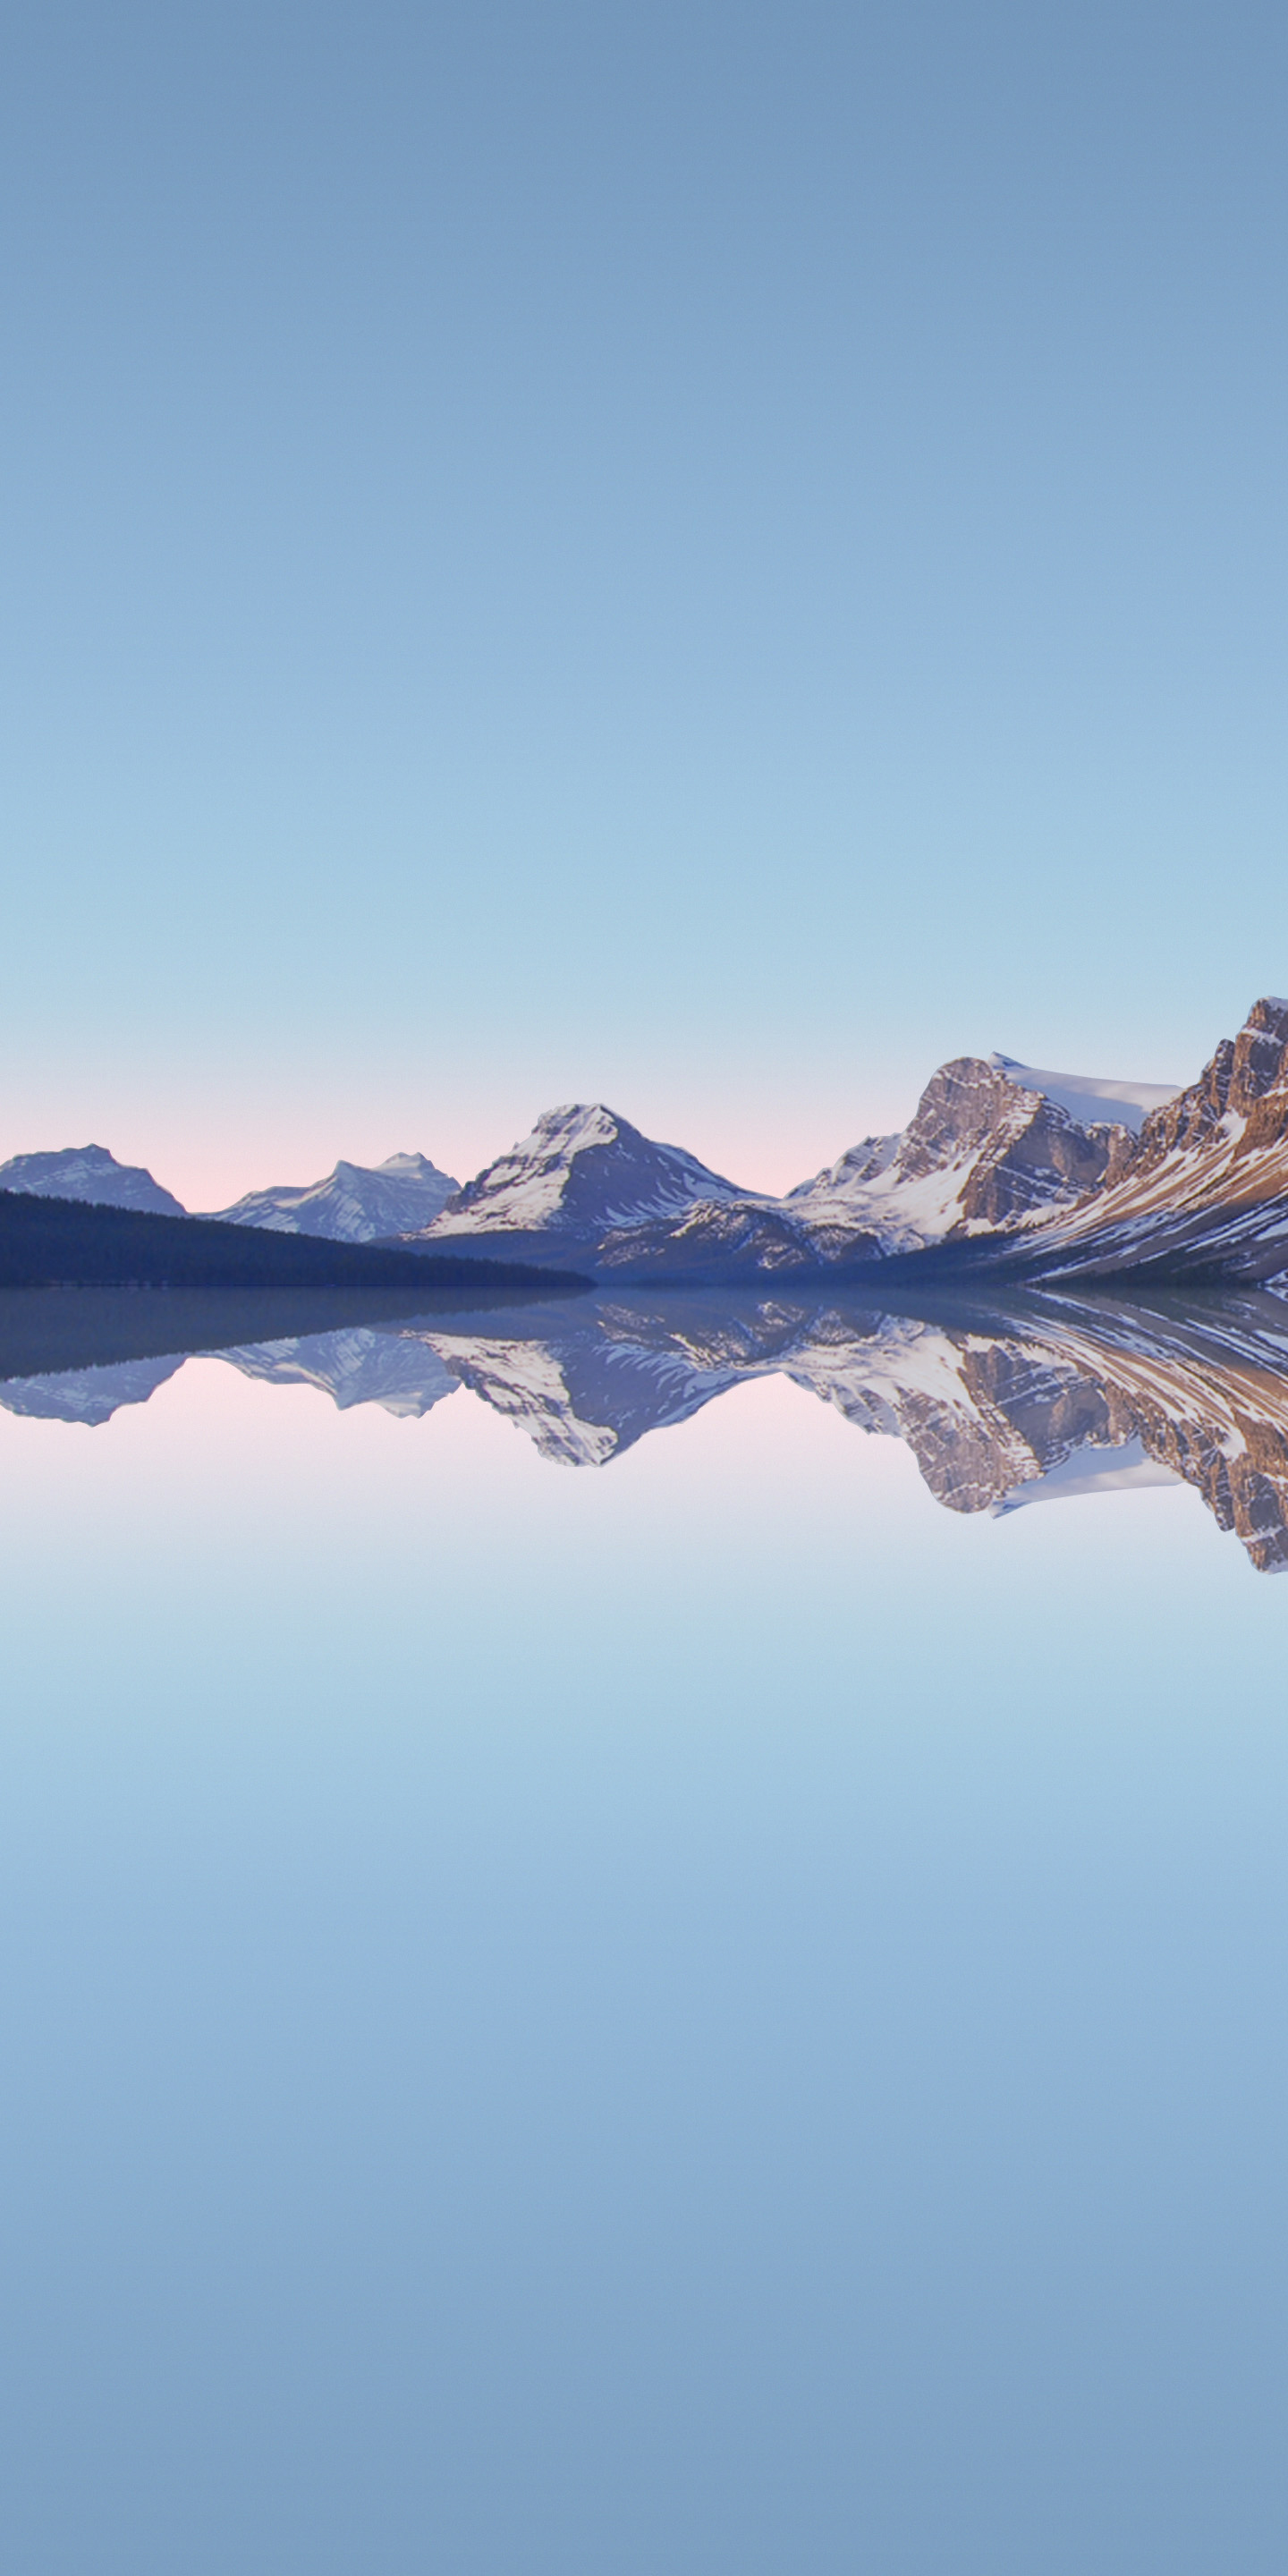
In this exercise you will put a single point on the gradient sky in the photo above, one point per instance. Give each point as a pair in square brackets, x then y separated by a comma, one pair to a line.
[708, 557]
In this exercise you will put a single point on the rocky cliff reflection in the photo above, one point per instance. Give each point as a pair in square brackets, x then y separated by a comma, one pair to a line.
[1053, 1396]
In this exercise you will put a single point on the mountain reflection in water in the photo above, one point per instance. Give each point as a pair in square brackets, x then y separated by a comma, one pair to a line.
[1051, 1396]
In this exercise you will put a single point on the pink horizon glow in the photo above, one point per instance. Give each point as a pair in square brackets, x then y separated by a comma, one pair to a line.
[211, 1154]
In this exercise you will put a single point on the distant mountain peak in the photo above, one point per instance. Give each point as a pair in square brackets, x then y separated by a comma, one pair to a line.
[356, 1203]
[88, 1173]
[581, 1173]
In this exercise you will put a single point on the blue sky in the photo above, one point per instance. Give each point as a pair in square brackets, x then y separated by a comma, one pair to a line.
[709, 558]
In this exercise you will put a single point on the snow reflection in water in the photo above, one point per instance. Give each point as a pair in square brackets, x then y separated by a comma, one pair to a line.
[1054, 1396]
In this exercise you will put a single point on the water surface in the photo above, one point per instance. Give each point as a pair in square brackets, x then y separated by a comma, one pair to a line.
[617, 1958]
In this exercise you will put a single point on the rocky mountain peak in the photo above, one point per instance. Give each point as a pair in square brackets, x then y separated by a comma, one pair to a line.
[1026, 1151]
[1260, 1053]
[1241, 1072]
[963, 1104]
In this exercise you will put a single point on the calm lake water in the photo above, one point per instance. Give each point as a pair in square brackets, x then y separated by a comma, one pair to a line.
[591, 1999]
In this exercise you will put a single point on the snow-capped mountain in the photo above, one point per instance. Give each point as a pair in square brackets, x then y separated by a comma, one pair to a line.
[1204, 1191]
[582, 1174]
[354, 1204]
[982, 1157]
[585, 1395]
[88, 1172]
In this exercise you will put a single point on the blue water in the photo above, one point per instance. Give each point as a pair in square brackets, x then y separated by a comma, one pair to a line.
[702, 2017]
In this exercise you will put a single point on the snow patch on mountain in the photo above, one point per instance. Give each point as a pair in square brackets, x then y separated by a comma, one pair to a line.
[1086, 1097]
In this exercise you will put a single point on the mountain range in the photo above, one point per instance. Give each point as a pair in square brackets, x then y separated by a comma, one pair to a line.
[354, 1204]
[1003, 1165]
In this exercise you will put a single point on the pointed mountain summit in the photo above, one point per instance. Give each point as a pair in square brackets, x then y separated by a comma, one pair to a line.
[90, 1173]
[583, 1173]
[354, 1204]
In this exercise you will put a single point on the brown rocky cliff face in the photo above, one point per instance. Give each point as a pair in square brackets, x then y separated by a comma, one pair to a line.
[1267, 1118]
[1246, 1492]
[962, 1106]
[1051, 1158]
[1054, 1408]
[1260, 1054]
[967, 1462]
[1028, 1411]
[1122, 1154]
[1029, 1152]
[1243, 1073]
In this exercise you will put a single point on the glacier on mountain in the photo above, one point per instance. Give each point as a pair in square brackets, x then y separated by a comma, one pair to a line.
[1087, 1097]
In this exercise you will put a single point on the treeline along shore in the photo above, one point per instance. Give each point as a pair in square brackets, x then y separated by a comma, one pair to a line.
[68, 1243]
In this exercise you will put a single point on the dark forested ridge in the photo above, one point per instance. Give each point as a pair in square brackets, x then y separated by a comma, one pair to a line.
[69, 1243]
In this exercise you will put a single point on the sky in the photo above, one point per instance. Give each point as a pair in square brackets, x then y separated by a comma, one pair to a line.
[707, 557]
